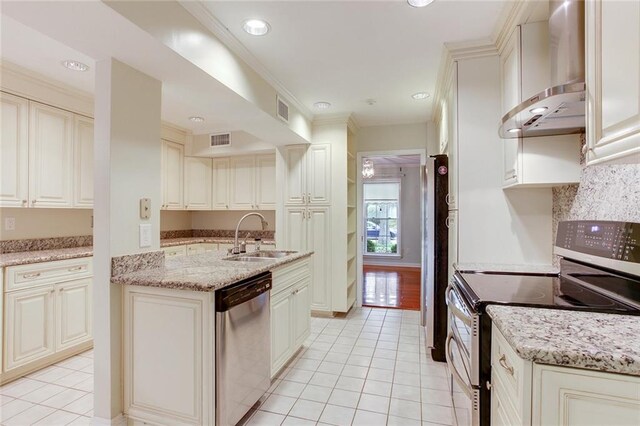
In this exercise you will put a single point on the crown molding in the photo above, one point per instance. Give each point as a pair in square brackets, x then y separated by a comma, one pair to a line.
[352, 124]
[333, 119]
[200, 12]
[513, 14]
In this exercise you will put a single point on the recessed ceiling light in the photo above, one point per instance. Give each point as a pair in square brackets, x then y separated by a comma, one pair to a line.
[197, 119]
[420, 95]
[322, 105]
[514, 130]
[419, 3]
[538, 110]
[256, 27]
[75, 65]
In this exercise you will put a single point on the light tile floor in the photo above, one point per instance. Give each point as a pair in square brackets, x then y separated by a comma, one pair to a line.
[61, 394]
[369, 368]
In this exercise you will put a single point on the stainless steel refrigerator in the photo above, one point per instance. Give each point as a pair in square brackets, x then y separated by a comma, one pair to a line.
[435, 249]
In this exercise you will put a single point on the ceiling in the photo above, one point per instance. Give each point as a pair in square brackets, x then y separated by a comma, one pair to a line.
[346, 52]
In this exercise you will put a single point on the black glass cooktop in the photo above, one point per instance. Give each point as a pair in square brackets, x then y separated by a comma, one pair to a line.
[577, 287]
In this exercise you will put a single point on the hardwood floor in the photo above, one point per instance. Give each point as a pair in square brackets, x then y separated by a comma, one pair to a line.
[391, 287]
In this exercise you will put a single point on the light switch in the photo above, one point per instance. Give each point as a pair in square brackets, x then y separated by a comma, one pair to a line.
[145, 208]
[145, 235]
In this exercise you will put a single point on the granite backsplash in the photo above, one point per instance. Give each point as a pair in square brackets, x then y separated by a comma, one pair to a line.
[213, 233]
[36, 244]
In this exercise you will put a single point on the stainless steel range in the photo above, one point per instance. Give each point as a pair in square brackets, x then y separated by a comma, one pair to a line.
[599, 271]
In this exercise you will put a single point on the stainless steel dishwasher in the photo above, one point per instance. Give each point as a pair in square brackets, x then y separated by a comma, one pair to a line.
[243, 347]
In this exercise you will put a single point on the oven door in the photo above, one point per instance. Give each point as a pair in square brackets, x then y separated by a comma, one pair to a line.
[462, 352]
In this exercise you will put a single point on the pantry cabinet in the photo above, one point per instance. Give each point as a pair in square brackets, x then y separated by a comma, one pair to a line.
[197, 183]
[613, 88]
[83, 162]
[308, 174]
[14, 151]
[172, 175]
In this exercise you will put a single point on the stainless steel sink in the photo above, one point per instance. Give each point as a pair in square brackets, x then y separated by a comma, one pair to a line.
[270, 253]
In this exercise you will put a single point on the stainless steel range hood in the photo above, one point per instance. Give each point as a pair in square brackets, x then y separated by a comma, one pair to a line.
[560, 109]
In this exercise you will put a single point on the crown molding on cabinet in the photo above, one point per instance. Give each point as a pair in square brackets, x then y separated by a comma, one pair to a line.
[206, 18]
[333, 119]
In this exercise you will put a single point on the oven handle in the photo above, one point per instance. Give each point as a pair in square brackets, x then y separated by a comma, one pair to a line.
[466, 388]
[454, 309]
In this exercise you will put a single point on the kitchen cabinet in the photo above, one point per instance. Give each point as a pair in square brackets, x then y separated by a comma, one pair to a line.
[14, 151]
[48, 314]
[612, 67]
[524, 71]
[200, 248]
[252, 182]
[50, 156]
[290, 311]
[220, 185]
[307, 174]
[527, 393]
[172, 175]
[197, 183]
[174, 251]
[83, 162]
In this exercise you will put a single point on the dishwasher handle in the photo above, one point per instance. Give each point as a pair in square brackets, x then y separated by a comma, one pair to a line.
[243, 291]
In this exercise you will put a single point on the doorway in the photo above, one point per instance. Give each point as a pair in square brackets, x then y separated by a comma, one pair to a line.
[390, 213]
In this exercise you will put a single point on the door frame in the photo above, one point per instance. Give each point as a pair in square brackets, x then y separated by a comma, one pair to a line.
[360, 208]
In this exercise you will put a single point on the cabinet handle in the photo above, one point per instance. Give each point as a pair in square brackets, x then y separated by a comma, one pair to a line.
[227, 205]
[77, 268]
[309, 198]
[53, 291]
[36, 275]
[447, 222]
[33, 201]
[24, 202]
[503, 364]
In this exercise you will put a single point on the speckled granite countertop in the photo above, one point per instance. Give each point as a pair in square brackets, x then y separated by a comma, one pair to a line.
[498, 267]
[169, 242]
[202, 272]
[594, 341]
[37, 256]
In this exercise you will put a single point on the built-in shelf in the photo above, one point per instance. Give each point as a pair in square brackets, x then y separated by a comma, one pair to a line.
[352, 257]
[351, 181]
[350, 155]
[351, 232]
[351, 206]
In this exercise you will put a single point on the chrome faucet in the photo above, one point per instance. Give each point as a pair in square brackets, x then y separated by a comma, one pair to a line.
[236, 246]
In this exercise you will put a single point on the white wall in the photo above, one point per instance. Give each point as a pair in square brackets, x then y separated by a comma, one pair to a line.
[46, 223]
[411, 247]
[388, 138]
[229, 220]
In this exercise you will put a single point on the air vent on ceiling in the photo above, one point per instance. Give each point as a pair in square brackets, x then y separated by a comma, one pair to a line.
[220, 139]
[282, 109]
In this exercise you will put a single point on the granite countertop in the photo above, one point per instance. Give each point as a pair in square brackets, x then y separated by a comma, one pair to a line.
[202, 272]
[37, 256]
[589, 340]
[499, 267]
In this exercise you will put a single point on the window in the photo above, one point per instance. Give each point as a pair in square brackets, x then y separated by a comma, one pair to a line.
[382, 212]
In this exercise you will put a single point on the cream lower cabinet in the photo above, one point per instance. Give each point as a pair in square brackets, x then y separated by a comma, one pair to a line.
[613, 88]
[526, 393]
[47, 316]
[290, 312]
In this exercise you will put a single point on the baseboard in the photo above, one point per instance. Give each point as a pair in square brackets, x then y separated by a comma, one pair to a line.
[393, 264]
[119, 420]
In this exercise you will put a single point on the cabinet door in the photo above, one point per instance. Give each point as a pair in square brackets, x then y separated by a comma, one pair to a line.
[197, 183]
[301, 314]
[572, 397]
[73, 313]
[29, 326]
[14, 151]
[613, 86]
[295, 174]
[50, 156]
[281, 341]
[242, 183]
[511, 154]
[296, 228]
[266, 182]
[510, 66]
[83, 161]
[319, 175]
[319, 241]
[220, 184]
[195, 249]
[172, 175]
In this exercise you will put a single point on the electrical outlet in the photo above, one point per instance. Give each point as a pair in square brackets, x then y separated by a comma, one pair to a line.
[145, 235]
[9, 223]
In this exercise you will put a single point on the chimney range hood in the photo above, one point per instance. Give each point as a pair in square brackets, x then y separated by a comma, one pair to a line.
[560, 109]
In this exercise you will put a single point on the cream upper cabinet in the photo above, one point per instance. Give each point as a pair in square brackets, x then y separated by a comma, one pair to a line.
[172, 175]
[295, 174]
[613, 81]
[220, 184]
[73, 313]
[50, 156]
[242, 183]
[265, 189]
[510, 72]
[83, 162]
[197, 183]
[14, 151]
[319, 174]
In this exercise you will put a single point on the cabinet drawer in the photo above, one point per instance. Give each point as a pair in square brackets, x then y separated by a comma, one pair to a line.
[288, 275]
[36, 274]
[175, 251]
[513, 373]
